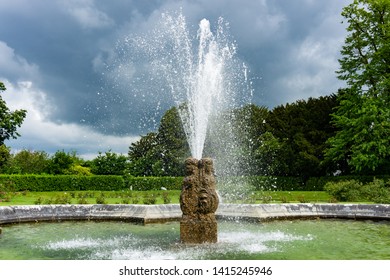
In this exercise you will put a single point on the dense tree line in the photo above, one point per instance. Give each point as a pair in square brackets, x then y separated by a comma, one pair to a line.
[289, 140]
[286, 141]
[63, 163]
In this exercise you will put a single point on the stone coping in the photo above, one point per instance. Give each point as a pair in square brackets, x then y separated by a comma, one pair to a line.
[172, 212]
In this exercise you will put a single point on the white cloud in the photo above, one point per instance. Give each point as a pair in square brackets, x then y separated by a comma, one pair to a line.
[87, 14]
[40, 134]
[13, 65]
[312, 62]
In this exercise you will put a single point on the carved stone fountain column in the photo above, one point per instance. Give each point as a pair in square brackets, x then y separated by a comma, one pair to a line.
[198, 202]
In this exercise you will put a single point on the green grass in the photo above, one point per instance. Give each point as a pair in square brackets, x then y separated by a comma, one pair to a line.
[156, 197]
[293, 196]
[93, 197]
[256, 197]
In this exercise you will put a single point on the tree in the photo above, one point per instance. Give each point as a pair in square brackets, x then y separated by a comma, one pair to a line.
[141, 155]
[162, 153]
[4, 157]
[9, 121]
[29, 162]
[109, 164]
[363, 116]
[61, 162]
[296, 138]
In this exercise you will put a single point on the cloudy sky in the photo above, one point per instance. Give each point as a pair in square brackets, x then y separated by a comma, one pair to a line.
[63, 61]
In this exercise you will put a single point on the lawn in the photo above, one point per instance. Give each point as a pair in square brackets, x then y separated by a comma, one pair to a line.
[155, 197]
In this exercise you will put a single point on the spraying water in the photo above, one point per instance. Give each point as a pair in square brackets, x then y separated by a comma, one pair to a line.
[197, 69]
[200, 81]
[202, 74]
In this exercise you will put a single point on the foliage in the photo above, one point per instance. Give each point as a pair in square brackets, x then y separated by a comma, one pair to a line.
[344, 190]
[109, 164]
[268, 153]
[153, 183]
[161, 153]
[9, 121]
[40, 183]
[150, 199]
[172, 147]
[101, 199]
[28, 162]
[363, 117]
[4, 157]
[6, 191]
[376, 191]
[296, 137]
[77, 169]
[141, 155]
[61, 162]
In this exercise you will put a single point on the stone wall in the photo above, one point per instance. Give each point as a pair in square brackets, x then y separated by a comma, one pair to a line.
[172, 212]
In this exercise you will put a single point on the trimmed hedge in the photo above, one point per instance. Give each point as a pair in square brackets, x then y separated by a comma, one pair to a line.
[153, 183]
[45, 183]
[41, 183]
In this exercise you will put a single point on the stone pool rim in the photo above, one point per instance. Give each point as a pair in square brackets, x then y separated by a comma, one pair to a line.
[146, 214]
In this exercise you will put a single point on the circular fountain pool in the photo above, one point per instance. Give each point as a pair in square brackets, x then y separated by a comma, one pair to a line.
[298, 239]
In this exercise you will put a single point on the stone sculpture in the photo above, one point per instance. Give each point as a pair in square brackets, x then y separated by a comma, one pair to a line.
[198, 202]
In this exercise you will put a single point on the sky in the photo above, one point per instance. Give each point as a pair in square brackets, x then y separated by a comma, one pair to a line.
[64, 61]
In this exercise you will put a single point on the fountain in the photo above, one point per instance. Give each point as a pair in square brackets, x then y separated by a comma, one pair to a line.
[202, 85]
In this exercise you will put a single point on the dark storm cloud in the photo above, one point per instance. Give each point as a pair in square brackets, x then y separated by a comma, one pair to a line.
[71, 52]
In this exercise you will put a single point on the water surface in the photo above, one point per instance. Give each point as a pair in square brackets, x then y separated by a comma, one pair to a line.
[278, 240]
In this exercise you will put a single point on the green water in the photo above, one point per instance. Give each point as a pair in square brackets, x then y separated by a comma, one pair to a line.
[296, 240]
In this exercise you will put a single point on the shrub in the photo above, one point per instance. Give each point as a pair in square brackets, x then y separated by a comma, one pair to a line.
[344, 190]
[63, 199]
[150, 199]
[82, 200]
[266, 199]
[39, 201]
[101, 199]
[376, 191]
[166, 198]
[284, 199]
[135, 200]
[302, 199]
[7, 191]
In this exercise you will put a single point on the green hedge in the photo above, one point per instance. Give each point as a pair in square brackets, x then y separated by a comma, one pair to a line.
[43, 183]
[153, 183]
[107, 182]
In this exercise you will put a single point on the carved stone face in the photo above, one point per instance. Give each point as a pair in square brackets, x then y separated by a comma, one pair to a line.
[207, 201]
